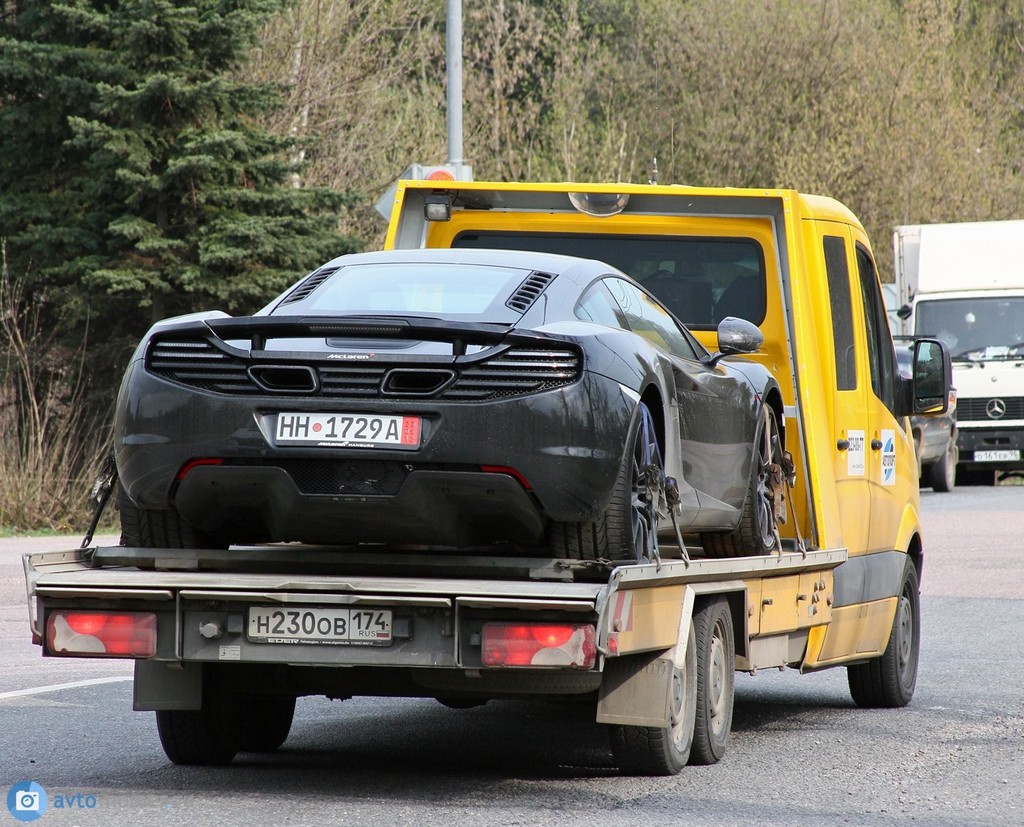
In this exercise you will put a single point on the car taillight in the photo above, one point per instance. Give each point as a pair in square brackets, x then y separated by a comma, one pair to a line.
[539, 644]
[113, 634]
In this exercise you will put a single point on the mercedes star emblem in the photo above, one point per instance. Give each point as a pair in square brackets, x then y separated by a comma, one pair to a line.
[995, 408]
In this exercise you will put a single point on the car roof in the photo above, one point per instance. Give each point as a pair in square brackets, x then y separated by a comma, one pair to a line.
[525, 259]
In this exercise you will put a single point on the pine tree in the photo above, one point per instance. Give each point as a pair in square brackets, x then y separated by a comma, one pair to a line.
[135, 182]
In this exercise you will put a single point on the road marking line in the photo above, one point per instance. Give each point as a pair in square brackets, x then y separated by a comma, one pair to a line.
[57, 687]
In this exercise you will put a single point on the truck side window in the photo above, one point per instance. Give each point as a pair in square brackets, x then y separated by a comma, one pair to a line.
[838, 272]
[881, 354]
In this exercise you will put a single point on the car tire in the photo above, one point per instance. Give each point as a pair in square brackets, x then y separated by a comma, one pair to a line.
[757, 531]
[152, 528]
[942, 472]
[622, 533]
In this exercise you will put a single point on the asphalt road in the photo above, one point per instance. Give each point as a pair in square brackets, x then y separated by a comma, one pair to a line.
[801, 752]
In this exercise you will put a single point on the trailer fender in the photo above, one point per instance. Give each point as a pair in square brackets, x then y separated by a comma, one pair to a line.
[635, 688]
[168, 685]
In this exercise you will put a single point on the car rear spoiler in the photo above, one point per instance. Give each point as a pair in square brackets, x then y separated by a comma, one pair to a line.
[258, 329]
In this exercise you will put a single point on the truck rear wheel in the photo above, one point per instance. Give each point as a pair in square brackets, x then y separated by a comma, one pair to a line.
[623, 532]
[152, 528]
[715, 684]
[642, 750]
[889, 681]
[206, 737]
[757, 532]
[268, 720]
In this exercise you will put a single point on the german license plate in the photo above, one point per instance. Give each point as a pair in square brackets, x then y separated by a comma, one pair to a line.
[997, 456]
[330, 626]
[347, 430]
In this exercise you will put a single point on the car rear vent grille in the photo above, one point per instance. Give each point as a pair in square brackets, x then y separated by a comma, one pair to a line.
[516, 372]
[197, 363]
[527, 292]
[352, 381]
[358, 478]
[977, 410]
[311, 283]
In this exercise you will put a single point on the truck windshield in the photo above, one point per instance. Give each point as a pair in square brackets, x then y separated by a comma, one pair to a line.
[701, 280]
[974, 328]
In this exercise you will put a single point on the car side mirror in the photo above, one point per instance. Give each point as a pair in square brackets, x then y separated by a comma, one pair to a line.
[932, 383]
[736, 336]
[739, 336]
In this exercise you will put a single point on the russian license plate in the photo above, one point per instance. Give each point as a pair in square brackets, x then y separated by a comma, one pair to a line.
[997, 456]
[331, 626]
[344, 430]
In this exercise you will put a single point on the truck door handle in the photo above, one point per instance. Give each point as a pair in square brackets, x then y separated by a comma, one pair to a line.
[876, 445]
[843, 444]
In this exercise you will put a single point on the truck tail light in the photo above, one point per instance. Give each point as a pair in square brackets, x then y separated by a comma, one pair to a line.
[539, 644]
[112, 634]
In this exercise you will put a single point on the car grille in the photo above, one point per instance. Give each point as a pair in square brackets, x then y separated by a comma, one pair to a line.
[974, 410]
[520, 371]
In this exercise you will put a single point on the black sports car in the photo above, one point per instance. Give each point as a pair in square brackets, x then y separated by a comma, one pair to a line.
[455, 398]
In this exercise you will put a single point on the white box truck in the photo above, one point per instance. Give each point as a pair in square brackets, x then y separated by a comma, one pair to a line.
[964, 284]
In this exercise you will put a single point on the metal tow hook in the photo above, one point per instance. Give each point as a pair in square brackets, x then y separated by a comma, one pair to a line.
[100, 494]
[674, 501]
[654, 498]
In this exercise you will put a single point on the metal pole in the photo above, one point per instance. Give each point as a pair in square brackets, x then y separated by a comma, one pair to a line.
[453, 44]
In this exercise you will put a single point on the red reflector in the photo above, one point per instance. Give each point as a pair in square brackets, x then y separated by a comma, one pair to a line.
[539, 644]
[114, 634]
[195, 463]
[512, 472]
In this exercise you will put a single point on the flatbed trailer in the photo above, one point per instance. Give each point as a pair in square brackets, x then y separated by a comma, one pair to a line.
[618, 630]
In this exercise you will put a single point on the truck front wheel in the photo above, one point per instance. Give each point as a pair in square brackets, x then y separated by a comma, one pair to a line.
[889, 681]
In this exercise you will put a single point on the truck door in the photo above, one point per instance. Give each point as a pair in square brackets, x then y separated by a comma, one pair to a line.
[873, 449]
[891, 459]
[851, 422]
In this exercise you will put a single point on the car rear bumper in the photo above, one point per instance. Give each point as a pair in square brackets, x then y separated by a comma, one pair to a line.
[551, 455]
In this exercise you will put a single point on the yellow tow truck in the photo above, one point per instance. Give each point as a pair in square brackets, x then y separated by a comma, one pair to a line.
[654, 645]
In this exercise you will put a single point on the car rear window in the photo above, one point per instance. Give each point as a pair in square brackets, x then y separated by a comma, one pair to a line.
[423, 289]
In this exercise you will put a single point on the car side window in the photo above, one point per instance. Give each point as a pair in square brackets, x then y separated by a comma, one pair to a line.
[599, 307]
[649, 319]
[881, 354]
